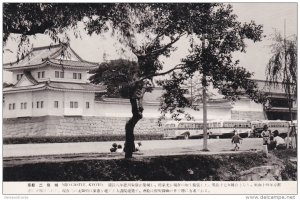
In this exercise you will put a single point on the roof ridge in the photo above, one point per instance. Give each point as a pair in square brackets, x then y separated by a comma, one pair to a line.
[49, 53]
[79, 58]
[80, 61]
[30, 52]
[29, 77]
[46, 47]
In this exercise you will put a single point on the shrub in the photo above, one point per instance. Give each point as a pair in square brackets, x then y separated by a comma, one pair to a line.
[70, 139]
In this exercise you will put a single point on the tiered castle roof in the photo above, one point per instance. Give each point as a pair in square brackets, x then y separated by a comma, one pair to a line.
[56, 55]
[62, 56]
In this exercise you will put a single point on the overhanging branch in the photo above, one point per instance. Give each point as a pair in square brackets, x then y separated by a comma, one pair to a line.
[168, 45]
[179, 66]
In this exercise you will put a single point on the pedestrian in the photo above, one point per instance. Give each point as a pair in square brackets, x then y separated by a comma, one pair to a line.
[265, 134]
[280, 143]
[293, 136]
[119, 149]
[114, 147]
[236, 140]
[138, 146]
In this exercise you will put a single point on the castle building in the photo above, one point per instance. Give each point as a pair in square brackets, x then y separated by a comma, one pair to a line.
[50, 80]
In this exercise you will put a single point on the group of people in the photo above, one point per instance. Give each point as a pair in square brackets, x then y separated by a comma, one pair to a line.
[119, 149]
[272, 140]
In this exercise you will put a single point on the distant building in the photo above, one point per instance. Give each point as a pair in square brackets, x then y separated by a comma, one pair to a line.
[278, 105]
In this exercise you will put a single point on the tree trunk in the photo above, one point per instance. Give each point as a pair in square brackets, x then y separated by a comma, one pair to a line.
[137, 114]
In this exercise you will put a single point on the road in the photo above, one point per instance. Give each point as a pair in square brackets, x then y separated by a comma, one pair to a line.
[150, 147]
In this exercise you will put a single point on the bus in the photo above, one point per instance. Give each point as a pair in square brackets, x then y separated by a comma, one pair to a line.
[183, 129]
[281, 126]
[225, 128]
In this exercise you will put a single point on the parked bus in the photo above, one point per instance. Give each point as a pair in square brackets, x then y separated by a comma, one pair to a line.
[183, 129]
[281, 126]
[225, 128]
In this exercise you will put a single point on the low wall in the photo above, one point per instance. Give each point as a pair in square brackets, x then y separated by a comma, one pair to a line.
[74, 126]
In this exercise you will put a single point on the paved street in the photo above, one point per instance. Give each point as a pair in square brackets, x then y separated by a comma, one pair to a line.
[152, 147]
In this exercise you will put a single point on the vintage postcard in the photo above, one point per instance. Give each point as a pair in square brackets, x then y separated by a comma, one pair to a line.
[150, 98]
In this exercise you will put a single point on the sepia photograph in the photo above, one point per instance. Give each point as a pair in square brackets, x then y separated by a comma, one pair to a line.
[150, 98]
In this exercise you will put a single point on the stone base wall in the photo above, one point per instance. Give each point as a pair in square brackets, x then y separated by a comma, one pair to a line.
[74, 126]
[247, 115]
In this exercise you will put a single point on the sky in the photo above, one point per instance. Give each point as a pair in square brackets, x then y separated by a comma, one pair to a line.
[270, 15]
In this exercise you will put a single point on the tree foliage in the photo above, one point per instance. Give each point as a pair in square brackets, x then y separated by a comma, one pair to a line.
[28, 19]
[118, 76]
[282, 66]
[219, 37]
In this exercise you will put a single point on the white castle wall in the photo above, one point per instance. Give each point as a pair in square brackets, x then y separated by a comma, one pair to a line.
[48, 97]
[49, 73]
[17, 98]
[117, 109]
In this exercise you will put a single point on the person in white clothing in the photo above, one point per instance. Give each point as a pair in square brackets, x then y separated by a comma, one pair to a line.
[280, 143]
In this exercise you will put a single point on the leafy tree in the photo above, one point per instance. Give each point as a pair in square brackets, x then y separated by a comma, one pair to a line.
[211, 23]
[155, 24]
[150, 31]
[218, 37]
[282, 66]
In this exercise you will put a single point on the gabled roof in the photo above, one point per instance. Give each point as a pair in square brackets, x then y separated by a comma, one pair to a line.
[26, 80]
[51, 55]
[57, 86]
[29, 76]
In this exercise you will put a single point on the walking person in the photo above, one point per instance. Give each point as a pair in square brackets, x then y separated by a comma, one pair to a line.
[266, 134]
[236, 140]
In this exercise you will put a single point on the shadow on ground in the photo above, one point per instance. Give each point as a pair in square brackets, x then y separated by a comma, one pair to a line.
[205, 167]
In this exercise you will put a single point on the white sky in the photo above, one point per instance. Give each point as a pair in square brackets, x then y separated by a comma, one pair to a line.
[270, 15]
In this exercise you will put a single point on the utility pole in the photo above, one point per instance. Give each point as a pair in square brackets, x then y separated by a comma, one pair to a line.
[191, 90]
[204, 84]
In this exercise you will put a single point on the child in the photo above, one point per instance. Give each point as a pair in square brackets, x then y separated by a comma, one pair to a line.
[236, 140]
[114, 147]
[265, 134]
[138, 146]
[119, 150]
